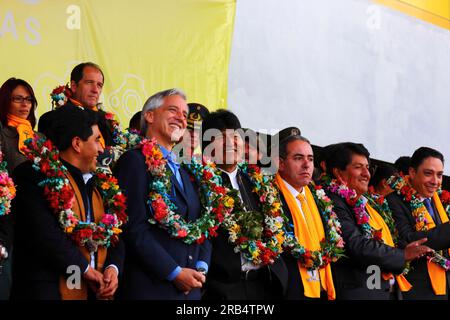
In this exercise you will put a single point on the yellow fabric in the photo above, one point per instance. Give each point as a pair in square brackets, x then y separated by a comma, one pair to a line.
[94, 108]
[23, 128]
[377, 222]
[167, 44]
[438, 276]
[309, 231]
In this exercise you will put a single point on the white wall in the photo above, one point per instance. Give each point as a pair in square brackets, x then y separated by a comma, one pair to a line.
[346, 70]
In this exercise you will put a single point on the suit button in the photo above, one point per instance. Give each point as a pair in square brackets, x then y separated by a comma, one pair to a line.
[190, 258]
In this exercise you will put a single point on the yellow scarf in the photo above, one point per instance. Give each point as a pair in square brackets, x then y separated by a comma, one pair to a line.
[23, 128]
[377, 222]
[437, 274]
[94, 108]
[309, 231]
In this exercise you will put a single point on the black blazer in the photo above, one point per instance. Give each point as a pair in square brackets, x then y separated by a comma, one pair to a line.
[42, 251]
[295, 289]
[350, 274]
[438, 239]
[226, 264]
[152, 254]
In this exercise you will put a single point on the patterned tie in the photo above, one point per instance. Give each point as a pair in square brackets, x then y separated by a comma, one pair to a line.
[306, 212]
[175, 166]
[429, 207]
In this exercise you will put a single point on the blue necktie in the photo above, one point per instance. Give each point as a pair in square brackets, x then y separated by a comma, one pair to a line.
[175, 168]
[429, 207]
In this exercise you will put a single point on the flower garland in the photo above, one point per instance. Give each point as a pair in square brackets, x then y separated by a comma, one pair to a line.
[331, 248]
[123, 140]
[216, 203]
[380, 204]
[60, 95]
[402, 187]
[7, 188]
[358, 205]
[257, 235]
[61, 196]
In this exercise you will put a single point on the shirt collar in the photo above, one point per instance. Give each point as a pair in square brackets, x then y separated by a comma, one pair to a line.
[292, 190]
[232, 174]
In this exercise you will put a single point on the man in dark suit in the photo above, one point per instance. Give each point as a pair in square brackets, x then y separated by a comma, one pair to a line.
[157, 265]
[45, 257]
[348, 163]
[429, 281]
[296, 165]
[231, 276]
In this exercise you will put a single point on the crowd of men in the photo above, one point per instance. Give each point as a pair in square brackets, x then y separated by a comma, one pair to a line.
[218, 225]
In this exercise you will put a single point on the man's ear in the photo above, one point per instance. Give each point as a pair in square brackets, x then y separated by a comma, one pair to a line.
[76, 144]
[149, 117]
[73, 86]
[338, 174]
[412, 172]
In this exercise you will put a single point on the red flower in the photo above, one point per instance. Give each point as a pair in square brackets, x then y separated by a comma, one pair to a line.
[213, 231]
[201, 239]
[182, 233]
[207, 175]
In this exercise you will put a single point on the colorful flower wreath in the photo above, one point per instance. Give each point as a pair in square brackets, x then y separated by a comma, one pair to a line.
[257, 235]
[358, 205]
[60, 95]
[409, 195]
[380, 204]
[331, 248]
[216, 204]
[7, 189]
[61, 196]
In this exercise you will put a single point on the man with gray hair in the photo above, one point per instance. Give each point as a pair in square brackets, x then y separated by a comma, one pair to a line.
[160, 265]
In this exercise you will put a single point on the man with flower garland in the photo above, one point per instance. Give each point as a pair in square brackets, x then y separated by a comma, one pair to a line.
[86, 85]
[312, 219]
[368, 241]
[245, 262]
[166, 258]
[419, 213]
[66, 239]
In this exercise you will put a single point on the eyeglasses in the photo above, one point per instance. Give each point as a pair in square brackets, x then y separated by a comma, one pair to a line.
[20, 99]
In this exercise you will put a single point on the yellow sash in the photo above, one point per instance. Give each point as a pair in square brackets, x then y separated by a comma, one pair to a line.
[309, 231]
[377, 222]
[99, 211]
[23, 128]
[437, 274]
[94, 108]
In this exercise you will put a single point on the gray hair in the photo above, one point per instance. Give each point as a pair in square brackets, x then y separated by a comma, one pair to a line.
[285, 142]
[156, 101]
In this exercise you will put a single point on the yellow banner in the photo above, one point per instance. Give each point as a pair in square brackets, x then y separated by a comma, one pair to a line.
[433, 11]
[143, 46]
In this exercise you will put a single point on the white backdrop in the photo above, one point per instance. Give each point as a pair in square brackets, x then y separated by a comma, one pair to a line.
[346, 70]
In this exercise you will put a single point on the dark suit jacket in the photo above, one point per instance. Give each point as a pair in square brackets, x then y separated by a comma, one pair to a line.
[42, 251]
[226, 264]
[151, 253]
[438, 239]
[350, 274]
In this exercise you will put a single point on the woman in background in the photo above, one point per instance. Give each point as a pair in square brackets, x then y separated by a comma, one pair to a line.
[17, 118]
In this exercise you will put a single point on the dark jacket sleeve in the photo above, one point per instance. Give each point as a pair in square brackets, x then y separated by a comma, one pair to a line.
[6, 231]
[140, 242]
[438, 237]
[116, 255]
[32, 213]
[365, 251]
